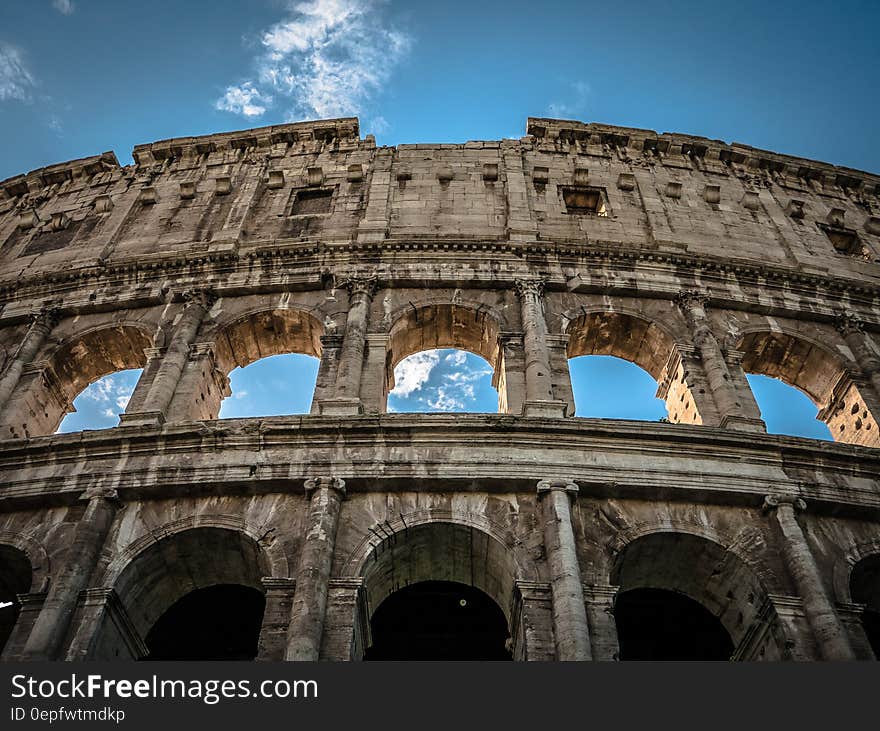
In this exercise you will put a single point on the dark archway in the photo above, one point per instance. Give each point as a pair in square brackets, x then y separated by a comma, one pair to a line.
[15, 579]
[865, 589]
[658, 624]
[439, 620]
[219, 622]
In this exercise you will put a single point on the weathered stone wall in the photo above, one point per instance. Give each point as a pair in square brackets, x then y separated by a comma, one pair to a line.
[696, 260]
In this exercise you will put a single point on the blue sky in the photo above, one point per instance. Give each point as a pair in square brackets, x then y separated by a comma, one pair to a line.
[78, 77]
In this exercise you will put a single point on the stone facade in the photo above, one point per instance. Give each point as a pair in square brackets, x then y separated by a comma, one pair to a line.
[697, 260]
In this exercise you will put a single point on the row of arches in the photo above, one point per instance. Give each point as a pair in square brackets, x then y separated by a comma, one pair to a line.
[438, 590]
[269, 363]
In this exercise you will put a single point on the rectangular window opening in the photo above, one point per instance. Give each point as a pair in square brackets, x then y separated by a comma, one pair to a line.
[311, 202]
[583, 201]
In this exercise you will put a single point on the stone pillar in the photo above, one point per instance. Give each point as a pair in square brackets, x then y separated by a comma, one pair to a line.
[325, 384]
[853, 333]
[570, 626]
[50, 629]
[351, 357]
[830, 636]
[142, 388]
[168, 375]
[557, 347]
[30, 605]
[683, 388]
[276, 617]
[313, 571]
[539, 379]
[509, 374]
[600, 618]
[41, 325]
[346, 633]
[103, 630]
[532, 623]
[693, 304]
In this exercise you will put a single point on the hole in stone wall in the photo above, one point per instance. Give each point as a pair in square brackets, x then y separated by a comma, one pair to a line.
[273, 386]
[658, 624]
[311, 202]
[443, 380]
[438, 620]
[608, 387]
[220, 622]
[785, 409]
[99, 405]
[585, 201]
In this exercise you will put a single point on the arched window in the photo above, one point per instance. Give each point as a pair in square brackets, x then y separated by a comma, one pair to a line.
[99, 405]
[864, 587]
[441, 358]
[446, 380]
[272, 386]
[15, 579]
[785, 409]
[608, 387]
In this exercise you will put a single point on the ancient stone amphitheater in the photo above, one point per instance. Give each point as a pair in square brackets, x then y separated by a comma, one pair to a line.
[352, 533]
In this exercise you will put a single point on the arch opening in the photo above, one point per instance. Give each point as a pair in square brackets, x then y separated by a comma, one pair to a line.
[786, 409]
[608, 387]
[446, 380]
[664, 574]
[821, 375]
[272, 386]
[438, 620]
[658, 624]
[439, 563]
[99, 405]
[220, 622]
[72, 370]
[264, 364]
[168, 577]
[865, 589]
[615, 384]
[429, 331]
[16, 576]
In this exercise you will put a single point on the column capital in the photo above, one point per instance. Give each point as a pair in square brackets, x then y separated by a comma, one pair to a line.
[46, 317]
[533, 286]
[99, 491]
[691, 298]
[203, 296]
[771, 502]
[847, 324]
[331, 483]
[568, 486]
[365, 284]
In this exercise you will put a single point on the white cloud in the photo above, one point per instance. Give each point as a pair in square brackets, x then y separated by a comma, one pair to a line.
[412, 373]
[456, 357]
[327, 58]
[239, 395]
[65, 7]
[110, 393]
[109, 413]
[16, 81]
[573, 106]
[244, 99]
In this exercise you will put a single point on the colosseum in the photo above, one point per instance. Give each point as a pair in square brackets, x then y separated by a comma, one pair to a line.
[350, 533]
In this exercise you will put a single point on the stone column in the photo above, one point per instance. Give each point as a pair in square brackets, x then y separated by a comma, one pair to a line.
[532, 622]
[539, 376]
[569, 614]
[345, 636]
[693, 304]
[325, 383]
[41, 325]
[30, 605]
[830, 636]
[508, 376]
[853, 333]
[168, 374]
[50, 629]
[276, 617]
[351, 357]
[600, 617]
[313, 570]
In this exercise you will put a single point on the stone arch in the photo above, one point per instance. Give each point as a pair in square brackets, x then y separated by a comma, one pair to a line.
[444, 324]
[695, 562]
[44, 397]
[36, 556]
[251, 336]
[841, 572]
[169, 567]
[831, 382]
[16, 577]
[514, 561]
